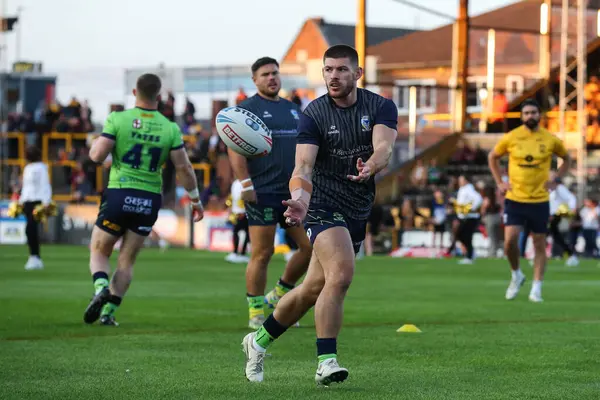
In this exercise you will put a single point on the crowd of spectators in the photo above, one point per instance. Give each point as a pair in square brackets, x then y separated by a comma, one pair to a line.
[75, 174]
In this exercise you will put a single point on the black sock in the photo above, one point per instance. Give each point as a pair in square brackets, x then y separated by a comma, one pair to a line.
[274, 328]
[326, 348]
[285, 285]
[99, 275]
[116, 300]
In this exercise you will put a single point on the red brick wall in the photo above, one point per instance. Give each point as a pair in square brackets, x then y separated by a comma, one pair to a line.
[310, 39]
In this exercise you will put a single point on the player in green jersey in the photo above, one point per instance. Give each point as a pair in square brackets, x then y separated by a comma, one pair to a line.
[140, 141]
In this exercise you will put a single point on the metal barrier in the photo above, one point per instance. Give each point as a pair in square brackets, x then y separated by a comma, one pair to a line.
[430, 118]
[69, 138]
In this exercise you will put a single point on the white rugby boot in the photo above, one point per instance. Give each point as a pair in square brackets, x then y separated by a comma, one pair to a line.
[329, 371]
[255, 359]
[515, 286]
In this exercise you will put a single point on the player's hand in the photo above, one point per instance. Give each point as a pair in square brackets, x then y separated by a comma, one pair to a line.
[197, 211]
[249, 196]
[504, 187]
[550, 185]
[364, 172]
[295, 213]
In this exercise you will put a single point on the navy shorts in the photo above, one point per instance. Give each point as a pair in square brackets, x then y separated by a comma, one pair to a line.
[266, 212]
[533, 215]
[128, 209]
[320, 219]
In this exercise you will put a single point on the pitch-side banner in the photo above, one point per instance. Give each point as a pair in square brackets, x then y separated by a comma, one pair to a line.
[77, 222]
[12, 231]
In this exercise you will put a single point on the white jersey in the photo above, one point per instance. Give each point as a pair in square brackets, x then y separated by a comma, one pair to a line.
[36, 184]
[589, 217]
[237, 204]
[467, 195]
[559, 196]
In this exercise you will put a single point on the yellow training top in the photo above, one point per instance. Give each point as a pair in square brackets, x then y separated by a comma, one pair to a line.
[529, 159]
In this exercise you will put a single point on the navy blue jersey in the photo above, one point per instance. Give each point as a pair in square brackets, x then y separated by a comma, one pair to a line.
[344, 135]
[271, 174]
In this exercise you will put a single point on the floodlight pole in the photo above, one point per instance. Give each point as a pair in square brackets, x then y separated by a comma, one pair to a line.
[566, 95]
[463, 65]
[361, 38]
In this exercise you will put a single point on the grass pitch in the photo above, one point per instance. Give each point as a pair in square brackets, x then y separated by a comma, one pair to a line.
[185, 315]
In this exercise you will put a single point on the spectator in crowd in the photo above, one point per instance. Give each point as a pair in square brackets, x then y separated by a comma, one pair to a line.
[190, 109]
[590, 223]
[241, 96]
[419, 175]
[439, 215]
[492, 219]
[434, 173]
[295, 98]
[373, 227]
[80, 185]
[497, 123]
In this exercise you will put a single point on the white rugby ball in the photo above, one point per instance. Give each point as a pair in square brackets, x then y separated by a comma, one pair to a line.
[243, 132]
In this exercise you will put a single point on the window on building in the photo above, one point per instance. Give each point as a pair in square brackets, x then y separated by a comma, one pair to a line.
[426, 95]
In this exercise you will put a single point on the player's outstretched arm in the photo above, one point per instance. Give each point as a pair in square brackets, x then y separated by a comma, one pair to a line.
[385, 132]
[301, 183]
[186, 174]
[101, 148]
[384, 138]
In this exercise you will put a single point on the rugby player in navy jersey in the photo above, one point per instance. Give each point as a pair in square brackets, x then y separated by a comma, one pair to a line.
[344, 138]
[264, 187]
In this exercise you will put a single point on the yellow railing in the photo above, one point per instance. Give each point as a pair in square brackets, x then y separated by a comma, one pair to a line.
[20, 161]
[507, 115]
[69, 138]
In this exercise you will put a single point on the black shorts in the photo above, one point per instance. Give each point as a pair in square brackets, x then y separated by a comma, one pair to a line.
[266, 212]
[533, 215]
[128, 209]
[441, 228]
[320, 219]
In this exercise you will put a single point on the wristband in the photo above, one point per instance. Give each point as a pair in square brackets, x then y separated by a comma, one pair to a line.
[247, 189]
[301, 190]
[194, 194]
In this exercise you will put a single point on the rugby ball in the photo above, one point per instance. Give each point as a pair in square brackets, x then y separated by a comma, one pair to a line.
[243, 132]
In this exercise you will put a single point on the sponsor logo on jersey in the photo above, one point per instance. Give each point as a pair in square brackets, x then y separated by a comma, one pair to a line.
[137, 123]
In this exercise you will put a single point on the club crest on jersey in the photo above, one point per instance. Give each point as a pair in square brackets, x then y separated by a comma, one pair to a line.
[295, 114]
[366, 123]
[137, 123]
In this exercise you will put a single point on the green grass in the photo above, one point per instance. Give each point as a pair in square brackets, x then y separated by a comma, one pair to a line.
[185, 315]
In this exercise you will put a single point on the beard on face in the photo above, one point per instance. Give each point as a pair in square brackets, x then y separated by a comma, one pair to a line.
[532, 123]
[343, 90]
[269, 91]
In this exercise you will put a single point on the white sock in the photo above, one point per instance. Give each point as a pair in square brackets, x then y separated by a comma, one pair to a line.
[257, 346]
[536, 286]
[516, 274]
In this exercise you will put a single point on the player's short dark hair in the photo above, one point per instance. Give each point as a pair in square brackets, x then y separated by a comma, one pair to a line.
[261, 62]
[531, 102]
[148, 86]
[342, 51]
[33, 154]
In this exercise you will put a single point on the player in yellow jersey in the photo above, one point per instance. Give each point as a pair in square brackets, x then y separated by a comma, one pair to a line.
[530, 149]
